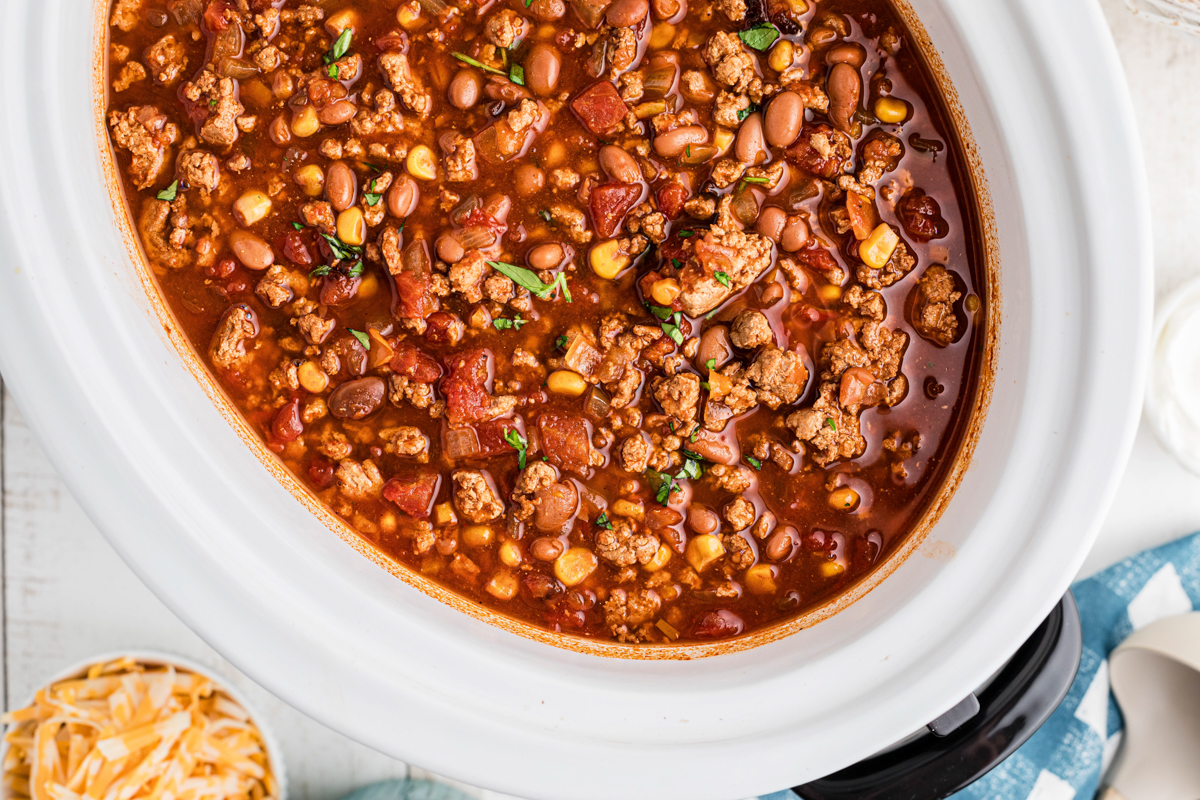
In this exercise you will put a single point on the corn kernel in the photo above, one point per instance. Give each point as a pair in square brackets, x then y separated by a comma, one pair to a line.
[251, 207]
[702, 551]
[662, 36]
[781, 55]
[368, 289]
[574, 566]
[409, 15]
[566, 382]
[502, 586]
[830, 293]
[719, 385]
[972, 303]
[891, 110]
[843, 499]
[477, 536]
[338, 22]
[626, 508]
[510, 554]
[351, 227]
[878, 247]
[387, 523]
[661, 557]
[443, 514]
[665, 291]
[305, 122]
[555, 155]
[798, 6]
[421, 163]
[312, 377]
[760, 579]
[311, 180]
[831, 569]
[607, 260]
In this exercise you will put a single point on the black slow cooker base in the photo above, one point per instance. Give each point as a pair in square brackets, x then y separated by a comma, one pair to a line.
[966, 742]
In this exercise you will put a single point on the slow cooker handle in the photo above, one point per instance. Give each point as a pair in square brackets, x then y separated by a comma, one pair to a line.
[978, 733]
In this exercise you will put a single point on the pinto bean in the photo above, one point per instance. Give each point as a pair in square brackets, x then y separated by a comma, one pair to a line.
[556, 506]
[465, 88]
[449, 248]
[619, 165]
[715, 450]
[546, 549]
[850, 53]
[844, 86]
[403, 196]
[771, 223]
[794, 235]
[337, 112]
[702, 519]
[668, 9]
[781, 544]
[341, 185]
[251, 250]
[672, 144]
[357, 398]
[750, 147]
[627, 13]
[783, 119]
[528, 179]
[715, 346]
[545, 256]
[542, 68]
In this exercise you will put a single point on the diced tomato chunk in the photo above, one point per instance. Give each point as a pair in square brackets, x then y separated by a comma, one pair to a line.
[818, 259]
[600, 107]
[465, 386]
[491, 437]
[415, 293]
[671, 197]
[921, 216]
[610, 203]
[809, 158]
[410, 361]
[320, 472]
[413, 495]
[214, 15]
[565, 441]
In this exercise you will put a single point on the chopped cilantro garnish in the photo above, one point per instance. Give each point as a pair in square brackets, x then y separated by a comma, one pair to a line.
[665, 483]
[341, 45]
[676, 263]
[602, 521]
[545, 215]
[530, 280]
[686, 234]
[324, 269]
[755, 179]
[341, 250]
[517, 442]
[517, 74]
[661, 312]
[561, 342]
[372, 198]
[747, 111]
[760, 37]
[691, 470]
[363, 339]
[672, 328]
[829, 421]
[509, 324]
[706, 386]
[466, 59]
[332, 71]
[754, 462]
[170, 192]
[722, 278]
[711, 363]
[297, 226]
[528, 3]
[694, 435]
[355, 270]
[688, 151]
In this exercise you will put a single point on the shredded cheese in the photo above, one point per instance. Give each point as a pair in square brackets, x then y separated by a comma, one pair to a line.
[128, 731]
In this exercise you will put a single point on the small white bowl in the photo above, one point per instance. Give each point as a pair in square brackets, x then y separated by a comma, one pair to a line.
[155, 657]
[1173, 412]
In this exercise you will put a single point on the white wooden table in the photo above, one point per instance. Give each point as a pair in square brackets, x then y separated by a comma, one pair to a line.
[66, 595]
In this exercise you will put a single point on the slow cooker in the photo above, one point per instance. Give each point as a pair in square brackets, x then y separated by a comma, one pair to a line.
[163, 466]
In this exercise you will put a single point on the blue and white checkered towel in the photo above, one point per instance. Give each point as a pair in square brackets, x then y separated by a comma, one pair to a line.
[1066, 758]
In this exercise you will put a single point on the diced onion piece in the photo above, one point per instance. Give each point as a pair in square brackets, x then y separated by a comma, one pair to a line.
[462, 443]
[597, 404]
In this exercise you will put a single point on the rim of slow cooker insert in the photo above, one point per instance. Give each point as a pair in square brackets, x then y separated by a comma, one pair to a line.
[100, 386]
[981, 369]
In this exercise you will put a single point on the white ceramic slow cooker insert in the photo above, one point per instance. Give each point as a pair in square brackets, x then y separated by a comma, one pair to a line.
[213, 533]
